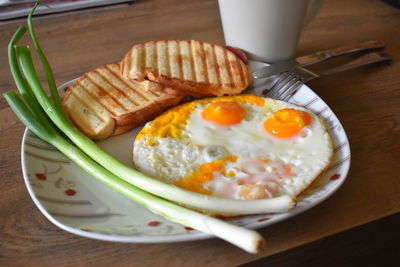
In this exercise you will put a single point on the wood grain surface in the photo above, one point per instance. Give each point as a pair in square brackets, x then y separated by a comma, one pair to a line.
[365, 100]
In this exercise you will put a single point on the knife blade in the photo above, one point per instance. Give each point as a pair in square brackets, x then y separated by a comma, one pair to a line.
[286, 65]
[273, 69]
[343, 50]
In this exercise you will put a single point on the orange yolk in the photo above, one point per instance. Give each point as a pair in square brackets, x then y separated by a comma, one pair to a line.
[224, 113]
[286, 123]
[195, 181]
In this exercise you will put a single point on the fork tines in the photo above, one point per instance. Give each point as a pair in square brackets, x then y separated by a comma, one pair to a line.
[285, 86]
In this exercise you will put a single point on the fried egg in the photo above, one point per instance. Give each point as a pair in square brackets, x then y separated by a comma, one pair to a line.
[238, 147]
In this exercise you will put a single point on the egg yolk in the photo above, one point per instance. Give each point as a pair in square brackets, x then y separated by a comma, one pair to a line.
[224, 113]
[173, 122]
[286, 123]
[205, 174]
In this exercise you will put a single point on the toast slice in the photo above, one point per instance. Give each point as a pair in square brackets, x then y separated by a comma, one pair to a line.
[102, 103]
[187, 67]
[147, 85]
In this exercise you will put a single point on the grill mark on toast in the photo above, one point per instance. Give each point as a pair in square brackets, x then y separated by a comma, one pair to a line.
[141, 93]
[155, 58]
[94, 96]
[178, 62]
[185, 54]
[138, 92]
[138, 57]
[117, 77]
[191, 60]
[203, 62]
[245, 73]
[100, 88]
[216, 65]
[236, 67]
[210, 64]
[179, 59]
[84, 104]
[130, 62]
[167, 60]
[228, 69]
[122, 66]
[174, 64]
[142, 57]
[148, 56]
[119, 93]
[158, 94]
[160, 66]
[154, 93]
[198, 60]
[240, 71]
[126, 83]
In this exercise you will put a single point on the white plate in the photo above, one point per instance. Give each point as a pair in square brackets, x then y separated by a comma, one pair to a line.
[79, 204]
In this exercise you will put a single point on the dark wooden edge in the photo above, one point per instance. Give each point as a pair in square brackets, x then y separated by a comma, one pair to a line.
[373, 244]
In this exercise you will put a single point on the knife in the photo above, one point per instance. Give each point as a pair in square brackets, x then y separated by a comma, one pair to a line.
[300, 75]
[270, 70]
[344, 50]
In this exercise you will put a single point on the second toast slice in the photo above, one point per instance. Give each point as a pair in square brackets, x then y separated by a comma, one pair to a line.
[187, 67]
[102, 103]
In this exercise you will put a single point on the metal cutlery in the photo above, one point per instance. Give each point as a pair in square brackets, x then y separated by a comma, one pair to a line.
[289, 81]
[343, 50]
[273, 69]
[313, 58]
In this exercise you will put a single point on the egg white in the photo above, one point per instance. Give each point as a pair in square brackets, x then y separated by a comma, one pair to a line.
[308, 153]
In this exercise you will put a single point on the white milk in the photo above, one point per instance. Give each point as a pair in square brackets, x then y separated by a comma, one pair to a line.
[268, 30]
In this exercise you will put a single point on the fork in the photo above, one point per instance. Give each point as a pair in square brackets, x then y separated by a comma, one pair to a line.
[290, 81]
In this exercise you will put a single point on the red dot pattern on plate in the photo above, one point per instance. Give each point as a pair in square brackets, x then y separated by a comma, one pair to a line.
[263, 219]
[41, 176]
[335, 177]
[70, 192]
[153, 223]
[188, 228]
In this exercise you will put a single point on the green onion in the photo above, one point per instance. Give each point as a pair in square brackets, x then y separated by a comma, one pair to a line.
[46, 66]
[34, 118]
[42, 114]
[19, 79]
[198, 201]
[167, 191]
[248, 240]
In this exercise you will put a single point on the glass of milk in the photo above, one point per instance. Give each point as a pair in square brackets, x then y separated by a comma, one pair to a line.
[267, 30]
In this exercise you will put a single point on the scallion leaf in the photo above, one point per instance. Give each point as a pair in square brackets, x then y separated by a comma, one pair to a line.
[248, 240]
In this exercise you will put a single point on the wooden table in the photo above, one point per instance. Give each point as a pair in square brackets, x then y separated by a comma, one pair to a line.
[351, 226]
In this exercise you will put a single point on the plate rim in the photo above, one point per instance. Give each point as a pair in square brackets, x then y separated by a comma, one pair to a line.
[176, 237]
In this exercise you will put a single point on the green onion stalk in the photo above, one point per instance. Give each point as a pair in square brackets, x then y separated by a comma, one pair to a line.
[247, 239]
[208, 204]
[47, 119]
[27, 110]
